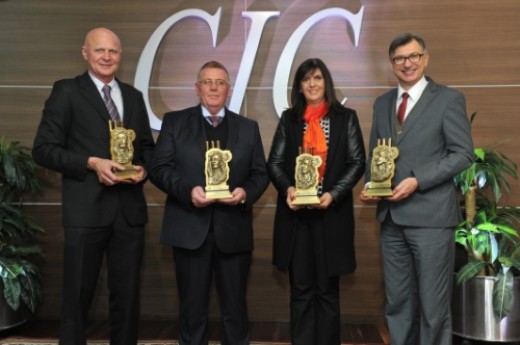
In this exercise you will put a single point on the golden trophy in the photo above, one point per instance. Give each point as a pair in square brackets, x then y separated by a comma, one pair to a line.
[307, 177]
[382, 169]
[217, 171]
[121, 149]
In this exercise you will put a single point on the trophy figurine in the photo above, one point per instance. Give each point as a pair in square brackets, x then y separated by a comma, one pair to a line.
[382, 169]
[217, 171]
[306, 176]
[122, 150]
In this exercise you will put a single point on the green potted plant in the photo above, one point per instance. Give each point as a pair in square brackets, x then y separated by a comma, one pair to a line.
[487, 286]
[20, 282]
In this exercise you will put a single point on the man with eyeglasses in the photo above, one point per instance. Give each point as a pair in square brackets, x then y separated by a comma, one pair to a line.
[433, 136]
[209, 236]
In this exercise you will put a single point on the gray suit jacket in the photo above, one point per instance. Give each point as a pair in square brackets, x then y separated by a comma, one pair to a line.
[434, 145]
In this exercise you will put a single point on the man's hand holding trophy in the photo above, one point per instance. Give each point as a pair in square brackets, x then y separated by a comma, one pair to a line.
[382, 169]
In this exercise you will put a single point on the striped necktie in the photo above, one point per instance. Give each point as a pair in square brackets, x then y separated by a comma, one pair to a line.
[111, 107]
[214, 119]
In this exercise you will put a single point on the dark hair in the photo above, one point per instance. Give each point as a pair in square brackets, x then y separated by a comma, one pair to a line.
[213, 64]
[298, 101]
[404, 39]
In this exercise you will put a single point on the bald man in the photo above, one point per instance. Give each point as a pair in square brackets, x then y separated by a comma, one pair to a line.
[101, 213]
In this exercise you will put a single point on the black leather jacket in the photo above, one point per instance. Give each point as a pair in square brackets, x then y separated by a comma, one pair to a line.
[345, 160]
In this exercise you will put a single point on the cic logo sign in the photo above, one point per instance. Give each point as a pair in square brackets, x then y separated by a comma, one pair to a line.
[258, 21]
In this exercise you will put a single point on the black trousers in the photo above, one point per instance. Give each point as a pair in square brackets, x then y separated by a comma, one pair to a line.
[84, 251]
[194, 270]
[315, 308]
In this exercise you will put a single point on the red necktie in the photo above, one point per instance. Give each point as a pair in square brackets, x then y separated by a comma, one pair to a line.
[402, 109]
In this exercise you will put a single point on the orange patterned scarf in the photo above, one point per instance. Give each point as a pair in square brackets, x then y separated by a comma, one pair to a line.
[314, 137]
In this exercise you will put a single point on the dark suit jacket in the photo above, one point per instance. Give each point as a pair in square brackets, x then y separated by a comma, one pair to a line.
[178, 166]
[345, 166]
[74, 127]
[435, 145]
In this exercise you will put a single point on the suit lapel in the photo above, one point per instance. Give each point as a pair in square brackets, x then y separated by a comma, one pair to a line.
[91, 95]
[419, 109]
[391, 116]
[296, 135]
[196, 126]
[127, 104]
[233, 129]
[335, 128]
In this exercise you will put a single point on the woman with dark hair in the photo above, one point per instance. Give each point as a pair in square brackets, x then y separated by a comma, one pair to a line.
[315, 244]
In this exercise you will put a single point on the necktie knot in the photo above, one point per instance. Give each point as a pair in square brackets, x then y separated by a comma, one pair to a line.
[111, 107]
[106, 90]
[402, 109]
[215, 120]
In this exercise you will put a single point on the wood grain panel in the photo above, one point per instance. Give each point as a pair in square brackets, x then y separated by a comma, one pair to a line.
[268, 293]
[473, 46]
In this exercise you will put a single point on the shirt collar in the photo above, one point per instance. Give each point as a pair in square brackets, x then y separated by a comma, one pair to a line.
[206, 113]
[415, 91]
[99, 84]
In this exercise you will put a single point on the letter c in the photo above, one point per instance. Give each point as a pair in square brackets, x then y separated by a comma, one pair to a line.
[281, 76]
[144, 66]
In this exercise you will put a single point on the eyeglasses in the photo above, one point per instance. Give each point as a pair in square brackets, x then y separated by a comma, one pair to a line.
[414, 58]
[209, 82]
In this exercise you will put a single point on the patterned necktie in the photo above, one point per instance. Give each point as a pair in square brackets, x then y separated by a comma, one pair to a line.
[402, 109]
[215, 120]
[111, 107]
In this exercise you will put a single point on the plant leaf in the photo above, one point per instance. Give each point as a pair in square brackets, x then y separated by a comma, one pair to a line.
[12, 291]
[18, 233]
[480, 153]
[490, 227]
[494, 248]
[469, 270]
[503, 296]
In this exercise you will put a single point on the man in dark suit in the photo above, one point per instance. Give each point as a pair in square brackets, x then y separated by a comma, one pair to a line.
[417, 238]
[102, 213]
[209, 235]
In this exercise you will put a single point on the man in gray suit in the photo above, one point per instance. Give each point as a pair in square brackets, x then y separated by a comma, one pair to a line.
[417, 221]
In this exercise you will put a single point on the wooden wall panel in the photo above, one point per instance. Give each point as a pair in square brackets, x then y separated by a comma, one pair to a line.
[268, 294]
[473, 45]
